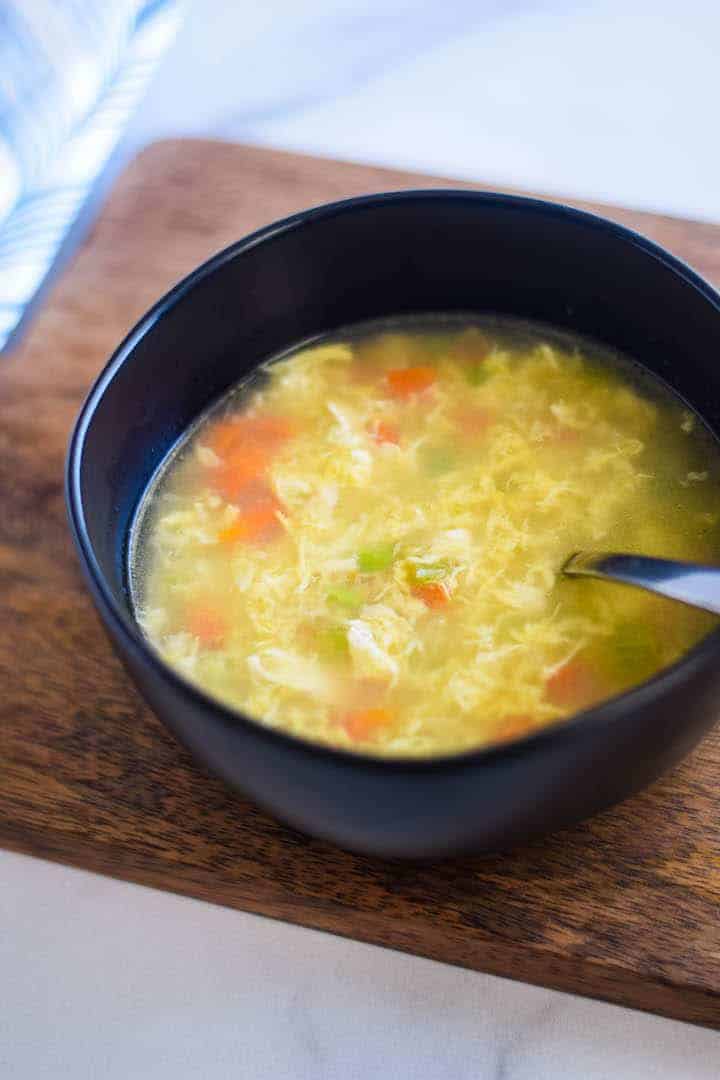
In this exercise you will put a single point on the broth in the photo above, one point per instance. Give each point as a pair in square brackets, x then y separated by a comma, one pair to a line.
[361, 544]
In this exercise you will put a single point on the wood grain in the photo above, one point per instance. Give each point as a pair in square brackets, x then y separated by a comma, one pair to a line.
[623, 908]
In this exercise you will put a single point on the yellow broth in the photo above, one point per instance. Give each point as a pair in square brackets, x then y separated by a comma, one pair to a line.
[361, 545]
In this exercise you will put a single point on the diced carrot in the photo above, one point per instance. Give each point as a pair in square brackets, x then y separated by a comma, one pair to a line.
[565, 436]
[366, 693]
[575, 685]
[207, 625]
[256, 522]
[240, 469]
[245, 445]
[363, 706]
[511, 727]
[404, 382]
[221, 436]
[475, 420]
[434, 594]
[257, 490]
[269, 430]
[365, 723]
[383, 432]
[239, 434]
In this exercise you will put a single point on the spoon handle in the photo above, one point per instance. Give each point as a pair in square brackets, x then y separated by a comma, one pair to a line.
[692, 583]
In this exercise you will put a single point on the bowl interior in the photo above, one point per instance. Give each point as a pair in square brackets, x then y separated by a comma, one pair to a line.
[366, 259]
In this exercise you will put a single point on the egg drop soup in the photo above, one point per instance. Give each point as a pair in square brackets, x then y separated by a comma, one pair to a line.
[362, 543]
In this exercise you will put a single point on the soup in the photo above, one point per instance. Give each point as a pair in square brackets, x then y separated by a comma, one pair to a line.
[361, 544]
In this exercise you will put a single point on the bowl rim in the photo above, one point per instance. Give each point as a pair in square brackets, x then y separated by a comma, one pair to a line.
[607, 712]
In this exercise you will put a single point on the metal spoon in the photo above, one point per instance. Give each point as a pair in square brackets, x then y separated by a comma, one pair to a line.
[692, 583]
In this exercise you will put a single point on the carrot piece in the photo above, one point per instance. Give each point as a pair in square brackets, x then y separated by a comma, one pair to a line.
[366, 723]
[240, 433]
[269, 430]
[565, 436]
[207, 625]
[434, 594]
[404, 382]
[256, 522]
[574, 685]
[367, 693]
[238, 471]
[382, 432]
[221, 436]
[511, 727]
[474, 421]
[245, 445]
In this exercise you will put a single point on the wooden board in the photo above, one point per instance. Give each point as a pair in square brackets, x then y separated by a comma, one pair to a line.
[623, 908]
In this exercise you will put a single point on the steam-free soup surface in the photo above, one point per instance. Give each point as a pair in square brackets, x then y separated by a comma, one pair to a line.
[362, 545]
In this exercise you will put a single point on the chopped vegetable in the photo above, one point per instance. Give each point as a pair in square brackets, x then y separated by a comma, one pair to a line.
[384, 432]
[332, 643]
[470, 349]
[575, 685]
[474, 420]
[366, 723]
[377, 557]
[404, 382]
[270, 430]
[437, 460]
[512, 727]
[343, 596]
[206, 624]
[221, 437]
[476, 374]
[257, 522]
[372, 538]
[239, 432]
[244, 446]
[435, 594]
[367, 693]
[564, 435]
[238, 471]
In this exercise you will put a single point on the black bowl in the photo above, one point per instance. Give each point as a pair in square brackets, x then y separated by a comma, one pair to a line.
[360, 259]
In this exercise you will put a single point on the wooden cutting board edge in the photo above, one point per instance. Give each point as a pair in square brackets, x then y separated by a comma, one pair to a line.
[599, 981]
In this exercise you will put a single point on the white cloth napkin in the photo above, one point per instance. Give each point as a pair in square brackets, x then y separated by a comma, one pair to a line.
[71, 72]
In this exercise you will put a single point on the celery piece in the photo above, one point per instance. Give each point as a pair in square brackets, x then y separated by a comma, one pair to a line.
[343, 596]
[476, 374]
[333, 643]
[436, 460]
[375, 557]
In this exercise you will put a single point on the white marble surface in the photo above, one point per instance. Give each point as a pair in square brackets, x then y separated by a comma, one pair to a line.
[606, 99]
[107, 980]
